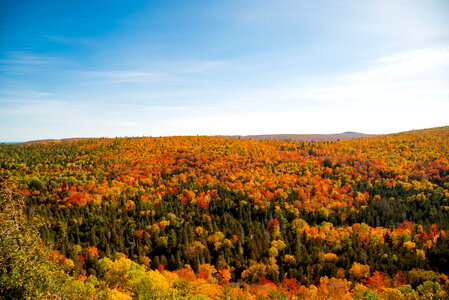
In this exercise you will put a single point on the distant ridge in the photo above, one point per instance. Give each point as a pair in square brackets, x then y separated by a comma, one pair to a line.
[277, 137]
[52, 140]
[306, 137]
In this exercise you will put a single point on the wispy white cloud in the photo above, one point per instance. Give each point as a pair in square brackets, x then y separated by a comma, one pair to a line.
[26, 62]
[111, 77]
[190, 66]
[73, 41]
[30, 59]
[414, 64]
[16, 95]
[406, 76]
[179, 71]
[406, 21]
[26, 58]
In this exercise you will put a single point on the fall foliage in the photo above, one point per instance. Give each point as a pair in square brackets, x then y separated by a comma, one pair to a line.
[174, 217]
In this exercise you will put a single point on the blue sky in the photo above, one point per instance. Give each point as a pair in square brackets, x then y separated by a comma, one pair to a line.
[133, 68]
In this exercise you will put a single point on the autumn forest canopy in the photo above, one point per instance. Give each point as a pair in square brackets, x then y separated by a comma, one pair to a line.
[226, 218]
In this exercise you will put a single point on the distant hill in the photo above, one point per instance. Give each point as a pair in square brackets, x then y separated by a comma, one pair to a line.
[306, 137]
[276, 137]
[52, 140]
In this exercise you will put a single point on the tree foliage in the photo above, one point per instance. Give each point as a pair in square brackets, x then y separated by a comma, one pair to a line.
[185, 216]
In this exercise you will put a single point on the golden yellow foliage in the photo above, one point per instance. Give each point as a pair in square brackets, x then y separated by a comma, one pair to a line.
[359, 271]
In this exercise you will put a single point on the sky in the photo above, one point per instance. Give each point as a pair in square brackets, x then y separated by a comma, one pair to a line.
[161, 68]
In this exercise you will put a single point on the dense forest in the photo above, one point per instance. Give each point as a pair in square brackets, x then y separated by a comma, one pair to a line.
[226, 218]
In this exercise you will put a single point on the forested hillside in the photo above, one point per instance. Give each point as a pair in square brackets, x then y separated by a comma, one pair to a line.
[175, 217]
